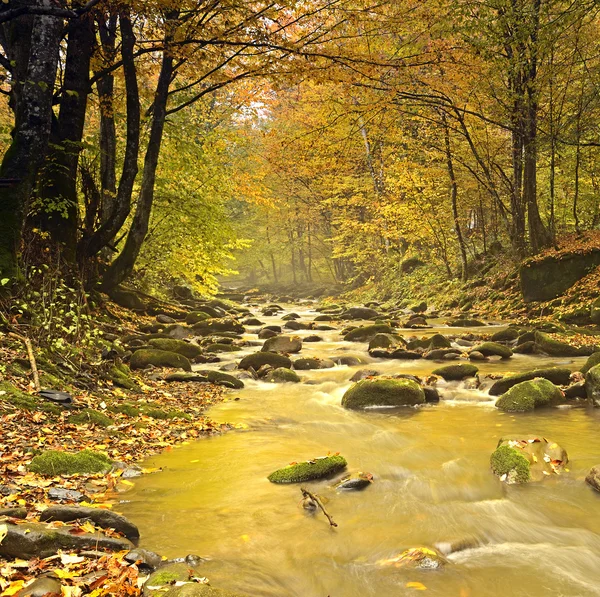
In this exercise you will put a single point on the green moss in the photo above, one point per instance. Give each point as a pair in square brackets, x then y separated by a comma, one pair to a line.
[125, 409]
[528, 395]
[190, 351]
[23, 401]
[219, 347]
[159, 358]
[383, 392]
[195, 317]
[555, 347]
[120, 375]
[89, 416]
[490, 349]
[258, 359]
[53, 462]
[223, 379]
[592, 361]
[557, 375]
[318, 468]
[508, 461]
[367, 332]
[456, 372]
[283, 375]
[438, 341]
[154, 413]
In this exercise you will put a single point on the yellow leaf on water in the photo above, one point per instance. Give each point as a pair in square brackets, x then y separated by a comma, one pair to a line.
[245, 538]
[197, 460]
[416, 585]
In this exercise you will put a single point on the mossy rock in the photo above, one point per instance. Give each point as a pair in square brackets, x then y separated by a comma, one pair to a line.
[89, 416]
[159, 358]
[319, 468]
[287, 344]
[196, 316]
[491, 349]
[223, 379]
[417, 558]
[166, 576]
[383, 392]
[125, 409]
[53, 462]
[592, 361]
[529, 395]
[282, 375]
[313, 363]
[510, 465]
[506, 335]
[216, 326]
[466, 323]
[198, 590]
[438, 341]
[559, 376]
[385, 341]
[456, 372]
[17, 399]
[190, 351]
[221, 347]
[120, 375]
[592, 385]
[367, 333]
[258, 359]
[555, 348]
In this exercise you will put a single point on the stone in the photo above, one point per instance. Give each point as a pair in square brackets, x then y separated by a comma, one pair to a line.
[54, 462]
[165, 576]
[215, 326]
[475, 355]
[363, 374]
[438, 341]
[282, 375]
[313, 363]
[593, 477]
[58, 494]
[592, 385]
[547, 278]
[258, 359]
[252, 321]
[43, 586]
[440, 353]
[190, 351]
[181, 376]
[456, 372]
[367, 333]
[128, 299]
[520, 459]
[359, 313]
[265, 333]
[313, 338]
[553, 347]
[506, 335]
[355, 482]
[290, 317]
[140, 359]
[296, 325]
[525, 348]
[575, 391]
[383, 392]
[318, 468]
[349, 360]
[417, 558]
[37, 540]
[89, 416]
[466, 323]
[287, 344]
[493, 349]
[19, 512]
[222, 379]
[196, 316]
[592, 360]
[559, 376]
[529, 395]
[162, 318]
[383, 341]
[144, 558]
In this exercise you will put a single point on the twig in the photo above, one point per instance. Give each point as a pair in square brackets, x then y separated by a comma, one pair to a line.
[316, 500]
[34, 370]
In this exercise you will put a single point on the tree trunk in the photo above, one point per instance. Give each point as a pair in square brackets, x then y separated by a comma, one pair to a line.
[123, 265]
[33, 113]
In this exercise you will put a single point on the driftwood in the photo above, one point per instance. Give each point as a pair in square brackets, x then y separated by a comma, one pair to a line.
[32, 363]
[308, 495]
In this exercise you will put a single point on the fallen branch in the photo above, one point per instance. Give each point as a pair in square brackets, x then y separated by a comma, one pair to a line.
[307, 494]
[32, 363]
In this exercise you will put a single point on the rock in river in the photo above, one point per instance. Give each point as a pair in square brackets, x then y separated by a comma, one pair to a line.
[420, 558]
[456, 372]
[318, 468]
[159, 358]
[258, 359]
[592, 385]
[529, 395]
[559, 376]
[383, 392]
[355, 481]
[283, 344]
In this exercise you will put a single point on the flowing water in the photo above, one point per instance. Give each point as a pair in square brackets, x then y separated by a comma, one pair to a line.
[432, 485]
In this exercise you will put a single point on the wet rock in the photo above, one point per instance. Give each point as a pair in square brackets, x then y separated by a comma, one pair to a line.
[287, 344]
[456, 372]
[290, 317]
[363, 374]
[456, 545]
[525, 348]
[132, 472]
[265, 334]
[592, 385]
[318, 468]
[451, 356]
[559, 376]
[324, 328]
[36, 540]
[348, 360]
[383, 341]
[438, 341]
[529, 395]
[258, 359]
[42, 587]
[354, 313]
[313, 363]
[196, 316]
[523, 459]
[179, 332]
[405, 355]
[490, 349]
[162, 318]
[144, 558]
[14, 513]
[185, 377]
[166, 576]
[296, 325]
[593, 477]
[216, 326]
[186, 349]
[466, 323]
[383, 392]
[105, 519]
[431, 394]
[58, 494]
[198, 590]
[355, 481]
[252, 321]
[575, 391]
[556, 348]
[475, 355]
[159, 358]
[313, 339]
[417, 558]
[282, 375]
[440, 353]
[223, 379]
[506, 335]
[367, 333]
[323, 318]
[593, 359]
[416, 322]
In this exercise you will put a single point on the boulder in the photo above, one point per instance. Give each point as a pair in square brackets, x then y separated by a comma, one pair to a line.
[140, 359]
[559, 376]
[55, 462]
[438, 341]
[258, 359]
[44, 586]
[531, 458]
[222, 379]
[440, 353]
[102, 518]
[593, 477]
[197, 316]
[190, 351]
[367, 333]
[555, 348]
[265, 334]
[466, 323]
[593, 359]
[215, 326]
[383, 341]
[128, 299]
[506, 335]
[360, 313]
[491, 349]
[592, 385]
[282, 375]
[37, 540]
[290, 317]
[288, 344]
[456, 372]
[529, 395]
[363, 374]
[547, 278]
[318, 468]
[297, 325]
[313, 363]
[525, 348]
[383, 392]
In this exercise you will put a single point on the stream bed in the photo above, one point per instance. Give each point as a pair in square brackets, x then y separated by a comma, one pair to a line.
[432, 485]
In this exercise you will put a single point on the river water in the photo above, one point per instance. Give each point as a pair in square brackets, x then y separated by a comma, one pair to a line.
[432, 485]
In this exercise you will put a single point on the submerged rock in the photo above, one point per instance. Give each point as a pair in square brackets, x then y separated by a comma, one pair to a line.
[456, 372]
[258, 359]
[593, 477]
[559, 376]
[383, 392]
[355, 481]
[319, 468]
[519, 460]
[313, 363]
[490, 349]
[529, 395]
[420, 558]
[367, 333]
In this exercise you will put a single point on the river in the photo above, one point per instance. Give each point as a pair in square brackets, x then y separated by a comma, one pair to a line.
[432, 485]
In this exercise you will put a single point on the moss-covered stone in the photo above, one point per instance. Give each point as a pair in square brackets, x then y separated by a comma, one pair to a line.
[54, 462]
[89, 416]
[490, 349]
[438, 341]
[319, 468]
[456, 372]
[282, 375]
[196, 316]
[506, 335]
[125, 409]
[592, 361]
[165, 576]
[313, 363]
[223, 379]
[18, 399]
[216, 326]
[554, 347]
[120, 375]
[559, 376]
[510, 462]
[592, 385]
[190, 351]
[258, 359]
[528, 395]
[383, 392]
[159, 358]
[367, 332]
[466, 323]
